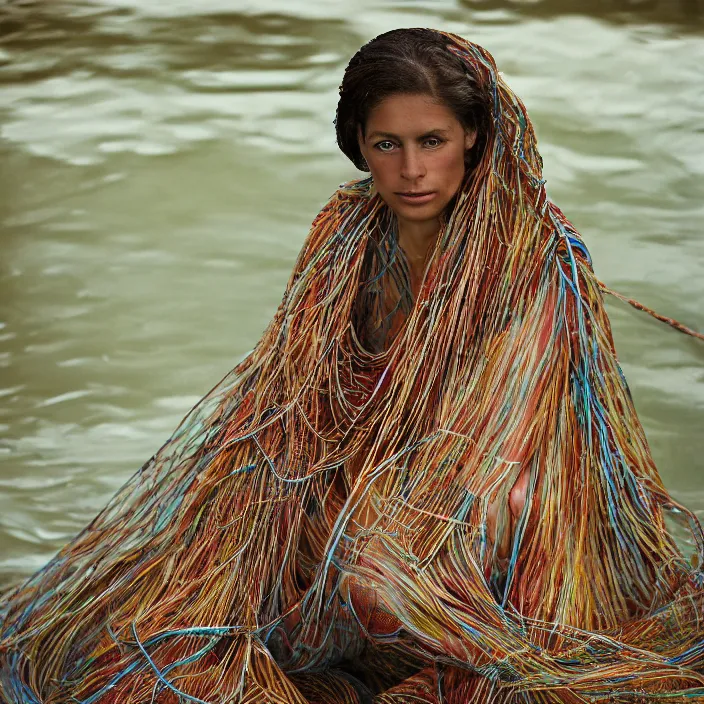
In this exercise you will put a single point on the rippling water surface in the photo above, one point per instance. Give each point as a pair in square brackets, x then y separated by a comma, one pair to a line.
[160, 163]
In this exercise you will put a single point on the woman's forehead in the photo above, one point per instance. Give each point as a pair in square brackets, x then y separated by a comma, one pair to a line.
[410, 115]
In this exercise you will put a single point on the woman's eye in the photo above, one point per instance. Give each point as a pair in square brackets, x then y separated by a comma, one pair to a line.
[385, 146]
[433, 142]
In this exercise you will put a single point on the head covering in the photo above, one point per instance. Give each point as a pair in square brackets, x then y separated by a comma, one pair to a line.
[315, 529]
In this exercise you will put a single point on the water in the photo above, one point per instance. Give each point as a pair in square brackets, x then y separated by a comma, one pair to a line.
[160, 164]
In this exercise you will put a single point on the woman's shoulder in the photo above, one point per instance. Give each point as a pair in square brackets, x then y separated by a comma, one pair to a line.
[359, 189]
[349, 197]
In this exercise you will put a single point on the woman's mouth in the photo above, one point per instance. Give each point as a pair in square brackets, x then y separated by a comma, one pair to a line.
[416, 197]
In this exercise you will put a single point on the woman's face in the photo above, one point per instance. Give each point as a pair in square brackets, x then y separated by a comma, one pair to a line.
[415, 148]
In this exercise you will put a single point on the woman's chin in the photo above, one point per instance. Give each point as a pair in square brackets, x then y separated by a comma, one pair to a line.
[426, 212]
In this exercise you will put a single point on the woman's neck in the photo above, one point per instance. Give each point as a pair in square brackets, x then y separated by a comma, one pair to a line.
[417, 240]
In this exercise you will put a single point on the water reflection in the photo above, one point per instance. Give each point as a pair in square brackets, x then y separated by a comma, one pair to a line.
[152, 85]
[685, 14]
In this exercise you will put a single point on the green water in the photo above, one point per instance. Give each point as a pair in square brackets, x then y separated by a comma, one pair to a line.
[160, 163]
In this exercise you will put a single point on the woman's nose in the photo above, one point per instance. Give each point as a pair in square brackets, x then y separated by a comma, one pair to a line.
[412, 166]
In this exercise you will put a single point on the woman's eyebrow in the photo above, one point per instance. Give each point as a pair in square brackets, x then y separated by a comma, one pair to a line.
[391, 135]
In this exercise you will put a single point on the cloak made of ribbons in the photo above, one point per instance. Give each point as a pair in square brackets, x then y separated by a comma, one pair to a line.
[315, 529]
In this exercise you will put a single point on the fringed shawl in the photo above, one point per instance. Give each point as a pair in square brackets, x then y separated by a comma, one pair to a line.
[316, 528]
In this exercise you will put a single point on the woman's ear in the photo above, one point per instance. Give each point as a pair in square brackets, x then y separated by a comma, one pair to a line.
[470, 138]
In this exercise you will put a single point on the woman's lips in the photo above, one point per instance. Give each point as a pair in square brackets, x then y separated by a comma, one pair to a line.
[416, 198]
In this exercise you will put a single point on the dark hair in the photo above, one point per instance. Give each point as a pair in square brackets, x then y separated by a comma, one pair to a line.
[410, 61]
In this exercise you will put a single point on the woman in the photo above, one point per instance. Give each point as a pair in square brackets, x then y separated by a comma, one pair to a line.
[426, 483]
